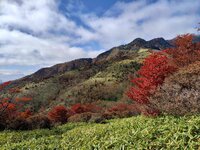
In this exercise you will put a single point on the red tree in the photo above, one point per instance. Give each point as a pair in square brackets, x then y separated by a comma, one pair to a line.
[59, 114]
[11, 108]
[8, 111]
[78, 108]
[153, 72]
[159, 65]
[186, 51]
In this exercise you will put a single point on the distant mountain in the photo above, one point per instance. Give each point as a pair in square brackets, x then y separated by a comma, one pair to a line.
[59, 69]
[101, 79]
[197, 38]
[157, 43]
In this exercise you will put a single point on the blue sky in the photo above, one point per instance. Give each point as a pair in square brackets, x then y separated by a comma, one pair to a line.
[41, 33]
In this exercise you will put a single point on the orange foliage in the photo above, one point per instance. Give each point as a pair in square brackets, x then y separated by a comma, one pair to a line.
[7, 111]
[185, 51]
[158, 66]
[27, 113]
[23, 99]
[59, 114]
[82, 108]
[155, 69]
[14, 90]
[10, 108]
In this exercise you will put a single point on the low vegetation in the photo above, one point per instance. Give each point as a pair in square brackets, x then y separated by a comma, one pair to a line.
[132, 133]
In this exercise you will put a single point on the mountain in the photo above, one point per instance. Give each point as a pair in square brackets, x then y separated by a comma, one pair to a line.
[102, 79]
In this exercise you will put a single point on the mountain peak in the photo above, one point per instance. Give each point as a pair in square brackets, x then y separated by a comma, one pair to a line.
[159, 43]
[138, 42]
[156, 43]
[160, 39]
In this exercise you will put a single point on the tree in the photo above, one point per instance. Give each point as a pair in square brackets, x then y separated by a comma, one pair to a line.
[180, 93]
[11, 107]
[185, 51]
[160, 65]
[153, 72]
[59, 114]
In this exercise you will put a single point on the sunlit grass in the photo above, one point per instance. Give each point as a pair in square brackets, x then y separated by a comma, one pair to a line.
[131, 133]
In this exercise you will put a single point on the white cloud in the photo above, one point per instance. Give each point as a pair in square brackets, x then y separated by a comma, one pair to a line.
[50, 39]
[24, 49]
[38, 16]
[37, 33]
[126, 21]
[10, 74]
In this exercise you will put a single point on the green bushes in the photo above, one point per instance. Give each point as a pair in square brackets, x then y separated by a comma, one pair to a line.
[131, 133]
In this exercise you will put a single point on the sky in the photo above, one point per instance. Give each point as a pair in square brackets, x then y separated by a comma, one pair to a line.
[40, 33]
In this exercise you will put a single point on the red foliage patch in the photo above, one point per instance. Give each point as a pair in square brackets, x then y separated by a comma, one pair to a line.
[7, 111]
[155, 69]
[160, 65]
[120, 107]
[26, 114]
[59, 114]
[186, 51]
[14, 90]
[3, 85]
[82, 108]
[23, 99]
[10, 108]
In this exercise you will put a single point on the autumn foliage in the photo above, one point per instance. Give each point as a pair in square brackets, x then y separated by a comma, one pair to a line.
[11, 109]
[180, 94]
[186, 51]
[26, 114]
[59, 114]
[121, 110]
[82, 108]
[160, 65]
[153, 72]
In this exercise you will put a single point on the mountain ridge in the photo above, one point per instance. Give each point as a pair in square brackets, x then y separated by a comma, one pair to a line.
[156, 43]
[101, 80]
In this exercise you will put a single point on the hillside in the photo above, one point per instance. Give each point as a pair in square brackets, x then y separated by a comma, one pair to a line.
[103, 78]
[131, 133]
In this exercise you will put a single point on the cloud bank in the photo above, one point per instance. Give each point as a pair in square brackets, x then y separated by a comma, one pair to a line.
[39, 33]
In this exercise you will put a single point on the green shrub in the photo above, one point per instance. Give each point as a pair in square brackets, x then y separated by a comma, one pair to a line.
[131, 133]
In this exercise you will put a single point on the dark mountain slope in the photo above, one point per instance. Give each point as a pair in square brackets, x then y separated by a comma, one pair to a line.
[60, 68]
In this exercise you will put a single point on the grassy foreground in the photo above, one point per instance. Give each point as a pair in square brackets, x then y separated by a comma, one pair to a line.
[130, 133]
